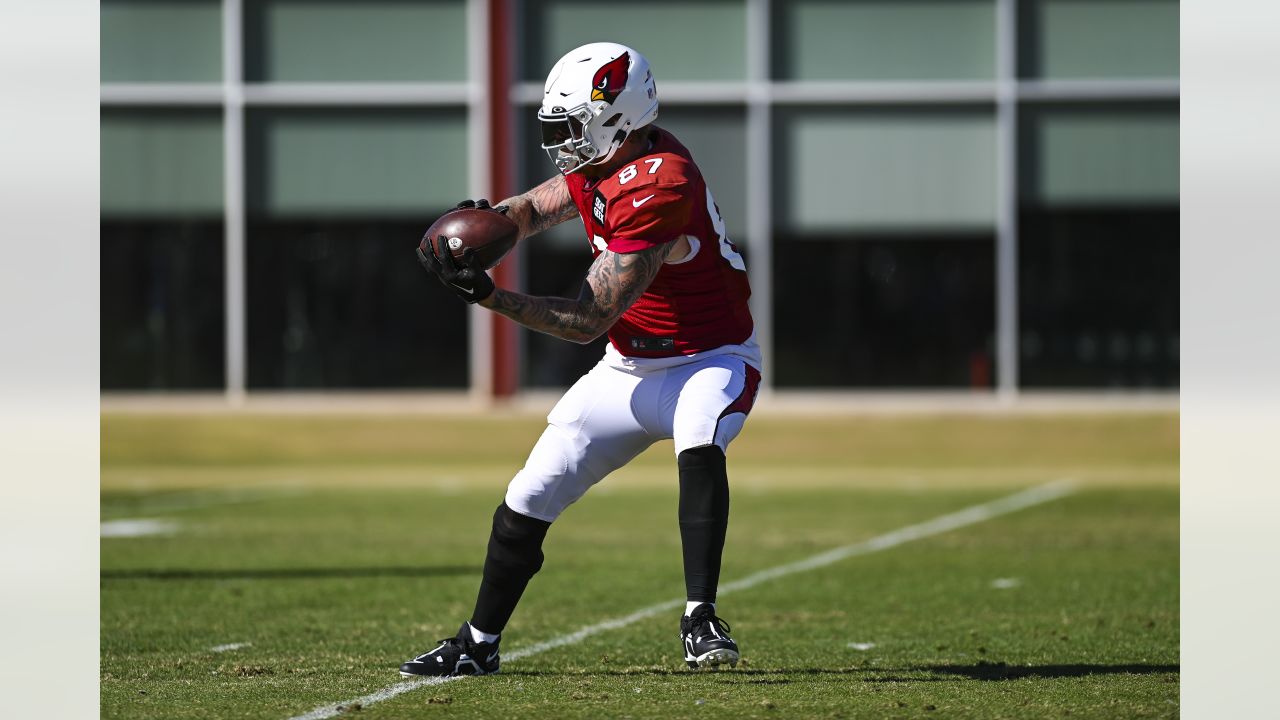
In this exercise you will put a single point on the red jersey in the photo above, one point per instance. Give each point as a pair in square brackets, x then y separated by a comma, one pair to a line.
[695, 304]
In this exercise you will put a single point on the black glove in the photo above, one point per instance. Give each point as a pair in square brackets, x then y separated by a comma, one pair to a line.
[469, 280]
[482, 204]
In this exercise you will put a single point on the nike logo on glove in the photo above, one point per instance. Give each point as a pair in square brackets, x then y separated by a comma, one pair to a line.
[638, 203]
[469, 291]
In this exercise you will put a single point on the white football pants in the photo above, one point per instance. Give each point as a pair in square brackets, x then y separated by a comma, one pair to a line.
[614, 413]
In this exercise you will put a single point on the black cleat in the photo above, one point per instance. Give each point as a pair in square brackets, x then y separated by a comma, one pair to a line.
[706, 639]
[456, 656]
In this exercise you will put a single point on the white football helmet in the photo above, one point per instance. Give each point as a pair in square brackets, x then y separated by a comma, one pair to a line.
[595, 97]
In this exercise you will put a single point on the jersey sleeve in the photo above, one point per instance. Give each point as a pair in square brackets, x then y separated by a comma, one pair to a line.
[648, 217]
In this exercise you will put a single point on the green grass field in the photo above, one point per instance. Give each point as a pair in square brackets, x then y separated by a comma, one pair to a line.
[334, 548]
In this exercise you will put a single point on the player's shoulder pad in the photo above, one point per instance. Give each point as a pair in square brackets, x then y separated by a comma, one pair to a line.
[664, 169]
[656, 182]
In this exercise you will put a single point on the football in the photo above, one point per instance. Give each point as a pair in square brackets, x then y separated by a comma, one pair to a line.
[490, 234]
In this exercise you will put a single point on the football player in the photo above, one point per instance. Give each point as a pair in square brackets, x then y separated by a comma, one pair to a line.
[671, 291]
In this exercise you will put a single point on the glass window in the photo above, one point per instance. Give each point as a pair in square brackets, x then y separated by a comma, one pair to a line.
[338, 200]
[339, 162]
[694, 39]
[160, 162]
[1098, 38]
[860, 310]
[161, 249]
[355, 40]
[1100, 155]
[1098, 246]
[1098, 296]
[557, 262]
[161, 40]
[162, 304]
[343, 303]
[884, 40]
[885, 169]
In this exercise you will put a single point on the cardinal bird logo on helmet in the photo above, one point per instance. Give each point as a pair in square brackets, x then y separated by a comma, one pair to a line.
[610, 79]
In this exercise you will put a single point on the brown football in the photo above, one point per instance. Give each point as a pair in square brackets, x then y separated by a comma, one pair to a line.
[491, 234]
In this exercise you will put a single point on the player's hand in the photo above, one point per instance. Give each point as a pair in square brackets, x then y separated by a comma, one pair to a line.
[482, 204]
[468, 281]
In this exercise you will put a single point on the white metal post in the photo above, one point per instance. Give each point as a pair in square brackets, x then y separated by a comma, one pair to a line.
[1006, 200]
[233, 200]
[479, 320]
[759, 230]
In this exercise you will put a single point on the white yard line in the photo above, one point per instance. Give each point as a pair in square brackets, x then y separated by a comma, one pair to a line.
[944, 523]
[136, 527]
[386, 693]
[229, 647]
[200, 499]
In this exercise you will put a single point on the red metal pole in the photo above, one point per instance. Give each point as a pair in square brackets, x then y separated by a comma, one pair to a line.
[506, 341]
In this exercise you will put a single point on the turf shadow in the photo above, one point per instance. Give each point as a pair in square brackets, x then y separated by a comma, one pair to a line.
[1002, 671]
[978, 671]
[321, 573]
[739, 672]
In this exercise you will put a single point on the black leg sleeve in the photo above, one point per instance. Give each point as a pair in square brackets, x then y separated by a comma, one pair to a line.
[515, 555]
[704, 517]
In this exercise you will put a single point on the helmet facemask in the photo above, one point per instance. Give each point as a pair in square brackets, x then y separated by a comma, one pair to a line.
[569, 142]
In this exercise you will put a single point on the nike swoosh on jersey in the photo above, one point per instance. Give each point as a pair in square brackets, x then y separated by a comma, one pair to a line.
[638, 203]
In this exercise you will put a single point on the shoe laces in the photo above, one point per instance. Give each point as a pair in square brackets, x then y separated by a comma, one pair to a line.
[697, 621]
[450, 641]
[457, 642]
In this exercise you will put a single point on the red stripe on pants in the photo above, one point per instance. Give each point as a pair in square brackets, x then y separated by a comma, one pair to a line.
[747, 397]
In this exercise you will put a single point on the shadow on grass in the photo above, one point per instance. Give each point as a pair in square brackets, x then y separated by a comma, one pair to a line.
[759, 676]
[321, 573]
[923, 673]
[1002, 671]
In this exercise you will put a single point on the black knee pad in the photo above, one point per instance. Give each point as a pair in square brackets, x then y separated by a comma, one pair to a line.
[515, 544]
[704, 486]
[705, 457]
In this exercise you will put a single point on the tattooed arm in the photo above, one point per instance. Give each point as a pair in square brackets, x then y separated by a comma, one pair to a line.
[543, 207]
[614, 281]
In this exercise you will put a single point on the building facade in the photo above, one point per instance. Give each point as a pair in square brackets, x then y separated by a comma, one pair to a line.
[929, 193]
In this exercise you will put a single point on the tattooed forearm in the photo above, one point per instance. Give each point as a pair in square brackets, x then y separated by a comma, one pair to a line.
[560, 317]
[613, 283]
[541, 208]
